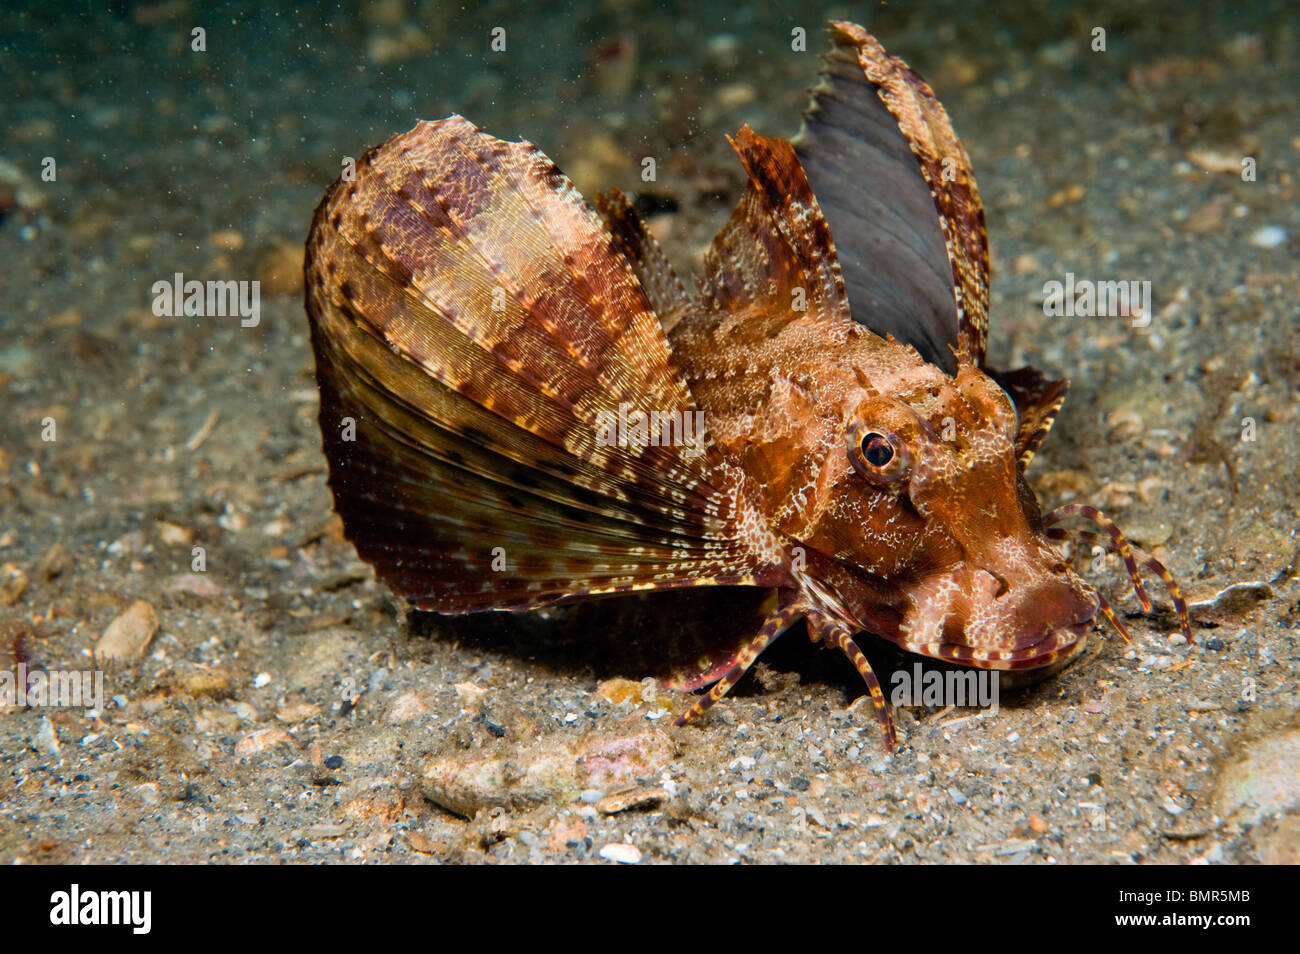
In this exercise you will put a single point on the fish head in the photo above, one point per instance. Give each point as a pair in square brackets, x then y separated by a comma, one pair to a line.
[924, 496]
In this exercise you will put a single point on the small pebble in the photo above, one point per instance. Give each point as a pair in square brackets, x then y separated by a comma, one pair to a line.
[13, 581]
[46, 741]
[624, 854]
[211, 683]
[1270, 236]
[193, 584]
[55, 563]
[129, 633]
[625, 801]
[316, 831]
[175, 535]
[298, 712]
[618, 690]
[471, 696]
[262, 740]
[232, 519]
[407, 707]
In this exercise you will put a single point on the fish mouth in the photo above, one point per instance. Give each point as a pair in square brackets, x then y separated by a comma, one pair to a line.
[1054, 648]
[971, 616]
[1011, 679]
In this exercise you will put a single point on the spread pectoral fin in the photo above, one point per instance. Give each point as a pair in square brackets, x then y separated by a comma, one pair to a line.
[483, 349]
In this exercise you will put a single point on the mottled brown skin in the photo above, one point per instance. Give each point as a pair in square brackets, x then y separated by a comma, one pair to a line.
[952, 549]
[476, 323]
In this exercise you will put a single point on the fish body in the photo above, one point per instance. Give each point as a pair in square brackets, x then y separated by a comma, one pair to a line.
[522, 404]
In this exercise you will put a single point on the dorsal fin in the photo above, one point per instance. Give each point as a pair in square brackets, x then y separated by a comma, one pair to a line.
[895, 186]
[661, 285]
[776, 243]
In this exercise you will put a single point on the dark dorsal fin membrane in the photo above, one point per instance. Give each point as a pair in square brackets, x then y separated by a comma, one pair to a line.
[895, 187]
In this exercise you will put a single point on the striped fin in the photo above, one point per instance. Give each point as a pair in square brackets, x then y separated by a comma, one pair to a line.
[662, 287]
[776, 249]
[1037, 401]
[480, 329]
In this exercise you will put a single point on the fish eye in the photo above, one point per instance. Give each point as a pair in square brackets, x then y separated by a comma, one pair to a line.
[878, 454]
[876, 449]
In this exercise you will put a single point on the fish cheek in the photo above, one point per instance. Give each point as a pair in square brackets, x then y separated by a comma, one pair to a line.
[877, 530]
[774, 465]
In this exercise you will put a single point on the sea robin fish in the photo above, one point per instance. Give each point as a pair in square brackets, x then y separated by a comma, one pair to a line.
[478, 326]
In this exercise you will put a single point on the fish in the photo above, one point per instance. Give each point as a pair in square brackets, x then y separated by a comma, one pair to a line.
[523, 405]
